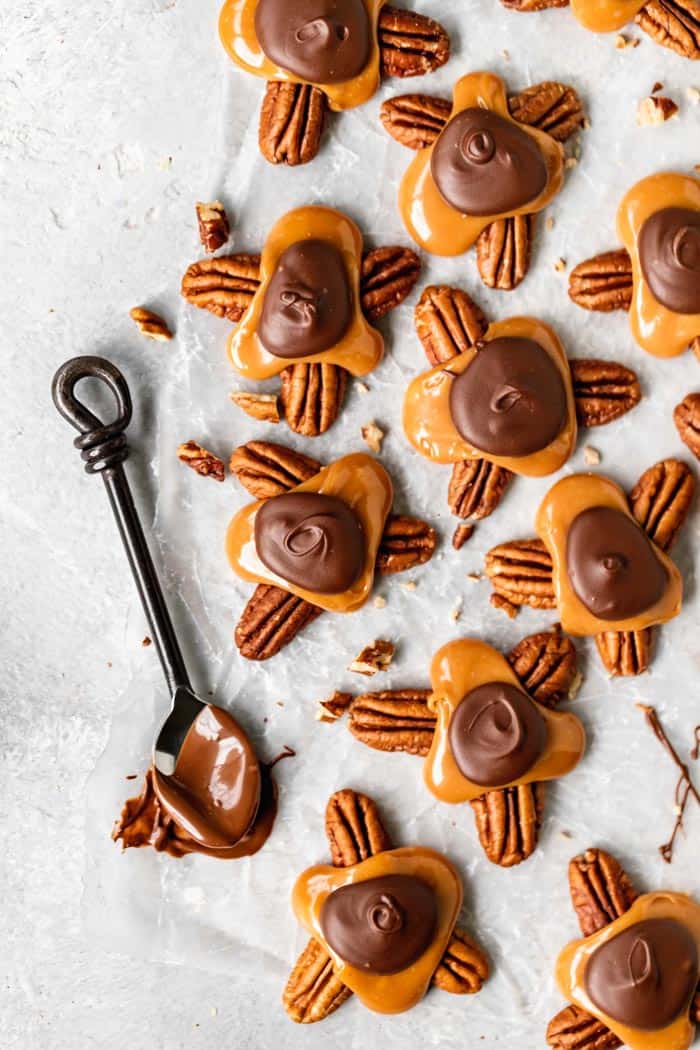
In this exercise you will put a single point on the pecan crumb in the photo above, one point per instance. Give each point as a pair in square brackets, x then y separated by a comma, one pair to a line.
[575, 686]
[146, 642]
[214, 228]
[264, 407]
[591, 456]
[570, 163]
[409, 585]
[201, 460]
[693, 94]
[379, 602]
[372, 435]
[334, 707]
[474, 576]
[151, 324]
[560, 265]
[361, 387]
[658, 86]
[461, 534]
[655, 109]
[499, 602]
[373, 658]
[456, 610]
[549, 222]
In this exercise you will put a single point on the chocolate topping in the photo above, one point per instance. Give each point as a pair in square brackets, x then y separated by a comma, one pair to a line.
[669, 255]
[322, 41]
[496, 734]
[311, 540]
[381, 925]
[612, 565]
[645, 976]
[483, 164]
[511, 400]
[308, 304]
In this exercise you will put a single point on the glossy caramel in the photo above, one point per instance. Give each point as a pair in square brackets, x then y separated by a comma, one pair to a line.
[605, 16]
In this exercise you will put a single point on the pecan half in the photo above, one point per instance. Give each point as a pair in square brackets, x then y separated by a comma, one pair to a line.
[410, 44]
[625, 653]
[312, 395]
[388, 275]
[448, 322]
[225, 285]
[601, 890]
[415, 120]
[214, 227]
[354, 828]
[265, 469]
[406, 543]
[550, 106]
[661, 499]
[674, 24]
[201, 460]
[603, 390]
[521, 572]
[574, 1028]
[476, 488]
[313, 991]
[291, 122]
[503, 251]
[270, 620]
[603, 283]
[547, 665]
[393, 720]
[508, 822]
[533, 5]
[686, 416]
[463, 968]
[150, 324]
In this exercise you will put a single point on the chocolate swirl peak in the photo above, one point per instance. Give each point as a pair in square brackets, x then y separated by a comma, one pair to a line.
[511, 400]
[321, 41]
[308, 303]
[669, 255]
[645, 976]
[496, 734]
[381, 925]
[311, 540]
[484, 164]
[612, 565]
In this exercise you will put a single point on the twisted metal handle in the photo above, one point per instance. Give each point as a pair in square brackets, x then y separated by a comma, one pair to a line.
[102, 446]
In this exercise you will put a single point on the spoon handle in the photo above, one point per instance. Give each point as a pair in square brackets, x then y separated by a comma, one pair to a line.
[104, 448]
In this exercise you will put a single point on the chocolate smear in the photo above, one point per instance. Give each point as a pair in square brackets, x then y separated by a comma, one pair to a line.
[321, 41]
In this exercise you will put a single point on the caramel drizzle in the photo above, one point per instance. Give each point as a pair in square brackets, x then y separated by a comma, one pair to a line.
[286, 752]
[685, 788]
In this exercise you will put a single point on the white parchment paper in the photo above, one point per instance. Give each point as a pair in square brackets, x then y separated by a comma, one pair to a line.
[235, 916]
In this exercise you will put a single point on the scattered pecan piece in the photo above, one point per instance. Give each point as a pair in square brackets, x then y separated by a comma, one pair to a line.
[291, 122]
[462, 534]
[603, 390]
[661, 499]
[625, 653]
[476, 488]
[547, 665]
[265, 469]
[334, 707]
[533, 5]
[574, 1028]
[503, 251]
[264, 407]
[313, 991]
[686, 416]
[354, 828]
[603, 283]
[463, 968]
[499, 601]
[601, 890]
[151, 324]
[201, 460]
[550, 106]
[674, 24]
[393, 720]
[312, 395]
[508, 822]
[387, 277]
[410, 44]
[270, 620]
[655, 109]
[448, 322]
[372, 435]
[415, 120]
[521, 572]
[373, 658]
[225, 285]
[406, 543]
[214, 228]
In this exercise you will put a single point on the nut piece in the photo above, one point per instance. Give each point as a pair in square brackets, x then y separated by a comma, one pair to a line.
[410, 44]
[387, 277]
[406, 543]
[265, 469]
[463, 968]
[521, 572]
[603, 283]
[462, 534]
[214, 228]
[312, 396]
[225, 286]
[661, 499]
[201, 460]
[393, 720]
[686, 416]
[603, 391]
[415, 120]
[574, 1028]
[655, 109]
[372, 435]
[313, 991]
[533, 5]
[503, 251]
[550, 106]
[151, 325]
[508, 822]
[334, 707]
[674, 24]
[291, 122]
[625, 653]
[354, 828]
[547, 665]
[373, 658]
[271, 619]
[448, 322]
[476, 488]
[601, 891]
[498, 601]
[264, 407]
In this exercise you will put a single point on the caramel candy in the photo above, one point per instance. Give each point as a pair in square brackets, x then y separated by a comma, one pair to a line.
[605, 16]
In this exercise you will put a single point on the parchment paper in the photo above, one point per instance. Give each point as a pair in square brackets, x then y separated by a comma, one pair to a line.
[235, 916]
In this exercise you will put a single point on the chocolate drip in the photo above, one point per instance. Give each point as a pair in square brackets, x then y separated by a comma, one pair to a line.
[685, 788]
[669, 255]
[321, 41]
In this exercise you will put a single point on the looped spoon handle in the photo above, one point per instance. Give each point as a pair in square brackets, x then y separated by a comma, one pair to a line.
[103, 448]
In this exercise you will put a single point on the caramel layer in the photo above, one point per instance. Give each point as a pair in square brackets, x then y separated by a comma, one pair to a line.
[571, 966]
[457, 669]
[430, 220]
[393, 993]
[604, 16]
[237, 32]
[657, 329]
[359, 481]
[564, 502]
[427, 419]
[362, 346]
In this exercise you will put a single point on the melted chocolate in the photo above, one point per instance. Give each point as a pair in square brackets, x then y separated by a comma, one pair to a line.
[669, 255]
[311, 540]
[646, 975]
[496, 734]
[511, 400]
[483, 164]
[381, 925]
[308, 304]
[322, 41]
[612, 565]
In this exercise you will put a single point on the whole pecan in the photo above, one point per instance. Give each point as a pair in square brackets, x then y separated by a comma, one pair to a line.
[393, 720]
[265, 469]
[270, 620]
[661, 500]
[448, 322]
[410, 44]
[415, 120]
[503, 251]
[625, 653]
[521, 572]
[574, 1028]
[463, 968]
[406, 543]
[674, 24]
[387, 277]
[225, 285]
[547, 665]
[312, 395]
[550, 106]
[291, 122]
[686, 416]
[476, 488]
[508, 822]
[601, 890]
[603, 283]
[603, 390]
[313, 991]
